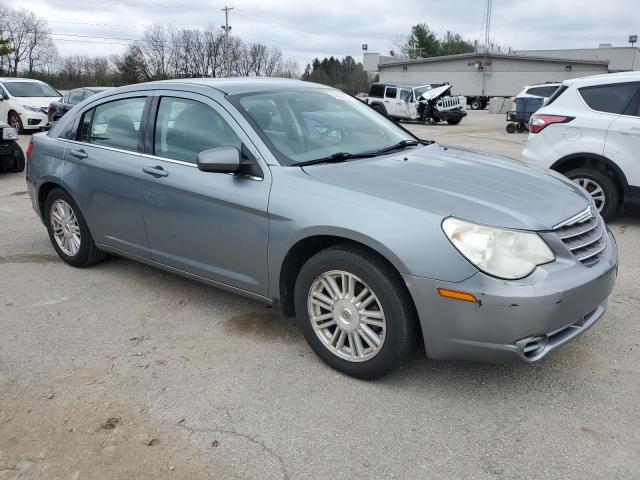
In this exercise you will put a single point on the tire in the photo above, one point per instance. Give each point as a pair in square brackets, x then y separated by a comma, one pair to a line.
[511, 128]
[19, 163]
[397, 338]
[380, 109]
[521, 127]
[475, 104]
[87, 254]
[16, 122]
[609, 202]
[454, 122]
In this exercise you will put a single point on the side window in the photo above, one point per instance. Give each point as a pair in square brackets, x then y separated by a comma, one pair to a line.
[405, 95]
[115, 124]
[76, 97]
[390, 92]
[185, 127]
[609, 98]
[542, 91]
[376, 91]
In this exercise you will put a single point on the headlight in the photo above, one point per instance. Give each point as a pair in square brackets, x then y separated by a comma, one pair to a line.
[503, 253]
[9, 133]
[32, 108]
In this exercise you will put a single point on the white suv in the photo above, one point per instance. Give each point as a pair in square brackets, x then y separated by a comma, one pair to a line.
[24, 103]
[589, 130]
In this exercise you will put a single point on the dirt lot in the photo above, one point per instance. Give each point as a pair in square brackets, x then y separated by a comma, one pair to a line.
[123, 371]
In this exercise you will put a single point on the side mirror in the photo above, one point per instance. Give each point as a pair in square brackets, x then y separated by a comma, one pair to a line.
[220, 160]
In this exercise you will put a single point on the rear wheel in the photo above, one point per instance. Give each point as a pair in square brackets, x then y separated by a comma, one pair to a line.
[18, 159]
[379, 109]
[601, 187]
[475, 104]
[16, 122]
[511, 128]
[354, 313]
[69, 232]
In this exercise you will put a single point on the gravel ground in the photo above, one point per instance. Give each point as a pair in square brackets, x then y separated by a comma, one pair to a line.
[123, 371]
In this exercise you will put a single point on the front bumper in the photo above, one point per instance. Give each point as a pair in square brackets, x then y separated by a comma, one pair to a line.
[515, 320]
[32, 120]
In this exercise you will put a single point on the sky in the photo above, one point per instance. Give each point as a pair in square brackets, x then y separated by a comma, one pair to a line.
[305, 29]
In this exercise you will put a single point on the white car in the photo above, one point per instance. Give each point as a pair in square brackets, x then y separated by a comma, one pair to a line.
[24, 102]
[589, 130]
[542, 90]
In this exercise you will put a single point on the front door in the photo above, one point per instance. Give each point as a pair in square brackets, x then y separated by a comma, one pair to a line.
[623, 141]
[104, 172]
[214, 225]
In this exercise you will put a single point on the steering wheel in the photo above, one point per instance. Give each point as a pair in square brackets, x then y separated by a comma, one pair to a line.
[334, 135]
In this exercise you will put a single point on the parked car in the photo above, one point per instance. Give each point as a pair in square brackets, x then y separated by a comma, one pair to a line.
[589, 130]
[541, 90]
[370, 236]
[11, 156]
[423, 103]
[24, 103]
[59, 107]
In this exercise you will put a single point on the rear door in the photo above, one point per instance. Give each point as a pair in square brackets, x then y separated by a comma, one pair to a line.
[102, 170]
[213, 225]
[623, 139]
[390, 100]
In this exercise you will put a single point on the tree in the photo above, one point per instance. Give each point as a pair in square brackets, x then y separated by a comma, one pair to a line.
[345, 74]
[424, 42]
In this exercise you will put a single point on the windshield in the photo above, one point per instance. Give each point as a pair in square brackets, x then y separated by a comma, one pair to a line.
[303, 125]
[30, 89]
[418, 91]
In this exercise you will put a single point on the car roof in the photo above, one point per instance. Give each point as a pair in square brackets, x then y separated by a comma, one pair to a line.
[603, 79]
[232, 86]
[402, 85]
[16, 79]
[546, 84]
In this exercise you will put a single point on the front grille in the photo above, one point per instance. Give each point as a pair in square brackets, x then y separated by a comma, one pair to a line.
[585, 236]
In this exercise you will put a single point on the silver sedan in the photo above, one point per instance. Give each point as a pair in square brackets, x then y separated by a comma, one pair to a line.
[306, 199]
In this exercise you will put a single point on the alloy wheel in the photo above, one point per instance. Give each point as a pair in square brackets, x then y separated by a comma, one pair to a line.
[14, 121]
[346, 315]
[593, 189]
[65, 226]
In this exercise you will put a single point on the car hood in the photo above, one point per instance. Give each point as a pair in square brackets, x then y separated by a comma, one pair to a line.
[435, 92]
[36, 101]
[475, 186]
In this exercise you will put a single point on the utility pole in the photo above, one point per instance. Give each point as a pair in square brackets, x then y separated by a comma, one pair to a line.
[226, 29]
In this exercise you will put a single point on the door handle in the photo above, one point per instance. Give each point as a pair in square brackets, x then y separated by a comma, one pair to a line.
[79, 153]
[386, 101]
[156, 171]
[631, 131]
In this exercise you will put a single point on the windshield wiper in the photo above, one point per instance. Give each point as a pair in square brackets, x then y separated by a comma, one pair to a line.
[403, 144]
[335, 158]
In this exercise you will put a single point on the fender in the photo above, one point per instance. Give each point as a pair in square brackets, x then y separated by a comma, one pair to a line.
[624, 184]
[379, 104]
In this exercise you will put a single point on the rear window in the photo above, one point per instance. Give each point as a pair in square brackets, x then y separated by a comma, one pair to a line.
[376, 91]
[609, 98]
[543, 91]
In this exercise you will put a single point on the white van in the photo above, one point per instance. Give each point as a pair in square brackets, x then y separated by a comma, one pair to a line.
[24, 102]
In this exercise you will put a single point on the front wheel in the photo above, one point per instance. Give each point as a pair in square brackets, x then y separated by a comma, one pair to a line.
[601, 187]
[16, 122]
[454, 122]
[354, 312]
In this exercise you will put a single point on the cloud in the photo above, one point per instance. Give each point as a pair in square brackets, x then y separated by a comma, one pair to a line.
[306, 29]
